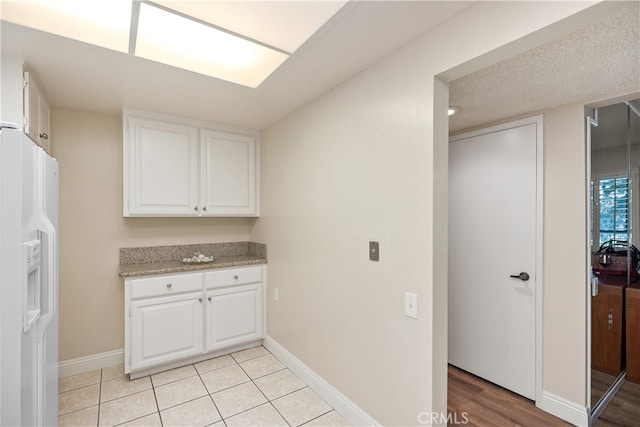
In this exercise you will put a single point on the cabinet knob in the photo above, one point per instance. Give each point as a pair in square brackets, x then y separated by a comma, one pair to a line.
[44, 136]
[168, 285]
[200, 299]
[210, 298]
[204, 208]
[195, 208]
[235, 277]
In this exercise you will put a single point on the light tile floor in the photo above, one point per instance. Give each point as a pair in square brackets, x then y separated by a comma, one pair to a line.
[247, 388]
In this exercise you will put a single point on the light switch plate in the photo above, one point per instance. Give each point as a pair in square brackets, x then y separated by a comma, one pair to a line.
[411, 305]
[374, 251]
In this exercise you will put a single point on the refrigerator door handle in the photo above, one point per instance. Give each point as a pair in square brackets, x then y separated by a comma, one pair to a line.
[48, 237]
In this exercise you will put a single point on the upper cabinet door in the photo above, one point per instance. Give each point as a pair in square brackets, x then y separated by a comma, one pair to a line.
[31, 106]
[228, 174]
[36, 113]
[161, 169]
[182, 167]
[44, 121]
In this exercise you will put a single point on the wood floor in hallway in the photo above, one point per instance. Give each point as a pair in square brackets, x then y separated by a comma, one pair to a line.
[483, 404]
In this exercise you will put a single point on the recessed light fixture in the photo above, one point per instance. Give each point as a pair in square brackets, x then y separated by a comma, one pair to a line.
[453, 110]
[100, 23]
[175, 39]
[242, 42]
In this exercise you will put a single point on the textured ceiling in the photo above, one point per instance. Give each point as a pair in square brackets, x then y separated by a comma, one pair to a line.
[600, 59]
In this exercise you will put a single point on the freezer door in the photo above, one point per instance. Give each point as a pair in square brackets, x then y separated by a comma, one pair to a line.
[10, 277]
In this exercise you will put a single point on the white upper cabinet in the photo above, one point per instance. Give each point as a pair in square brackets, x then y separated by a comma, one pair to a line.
[163, 168]
[44, 125]
[36, 113]
[23, 104]
[228, 173]
[180, 167]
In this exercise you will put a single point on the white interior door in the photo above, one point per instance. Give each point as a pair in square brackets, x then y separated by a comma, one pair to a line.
[492, 236]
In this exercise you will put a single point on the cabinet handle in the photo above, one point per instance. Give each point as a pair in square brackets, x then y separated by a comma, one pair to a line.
[168, 285]
[210, 298]
[44, 136]
[204, 208]
[200, 299]
[195, 208]
[235, 277]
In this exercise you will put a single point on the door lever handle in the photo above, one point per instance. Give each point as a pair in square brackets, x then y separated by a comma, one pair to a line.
[522, 276]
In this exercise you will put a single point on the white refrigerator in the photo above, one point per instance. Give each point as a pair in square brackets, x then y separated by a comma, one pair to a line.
[28, 282]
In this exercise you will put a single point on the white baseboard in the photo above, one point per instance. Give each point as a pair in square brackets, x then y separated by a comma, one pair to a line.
[80, 365]
[345, 407]
[564, 409]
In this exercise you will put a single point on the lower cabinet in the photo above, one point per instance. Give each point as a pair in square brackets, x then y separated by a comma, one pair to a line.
[165, 329]
[185, 316]
[234, 316]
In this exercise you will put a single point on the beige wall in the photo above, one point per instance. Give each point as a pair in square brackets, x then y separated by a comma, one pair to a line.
[368, 162]
[92, 229]
[565, 239]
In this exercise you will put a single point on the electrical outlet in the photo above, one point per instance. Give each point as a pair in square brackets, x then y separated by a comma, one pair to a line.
[275, 294]
[374, 251]
[411, 305]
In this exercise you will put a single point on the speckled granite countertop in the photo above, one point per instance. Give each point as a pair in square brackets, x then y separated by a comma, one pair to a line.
[168, 259]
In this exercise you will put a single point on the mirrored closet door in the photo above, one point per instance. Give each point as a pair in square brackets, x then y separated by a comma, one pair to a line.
[615, 259]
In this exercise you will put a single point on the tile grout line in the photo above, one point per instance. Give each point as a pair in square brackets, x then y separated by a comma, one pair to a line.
[99, 399]
[155, 397]
[279, 397]
[209, 394]
[250, 380]
[315, 418]
[269, 401]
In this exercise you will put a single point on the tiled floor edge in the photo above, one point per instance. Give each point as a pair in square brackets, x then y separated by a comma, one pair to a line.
[351, 412]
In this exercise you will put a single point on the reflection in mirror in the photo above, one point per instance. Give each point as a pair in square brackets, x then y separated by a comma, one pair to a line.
[615, 208]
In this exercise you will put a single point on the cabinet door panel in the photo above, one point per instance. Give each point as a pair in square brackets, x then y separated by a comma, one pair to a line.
[228, 173]
[44, 120]
[164, 160]
[31, 97]
[165, 329]
[234, 316]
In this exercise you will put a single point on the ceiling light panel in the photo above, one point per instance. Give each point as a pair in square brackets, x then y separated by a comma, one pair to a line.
[282, 24]
[176, 40]
[101, 23]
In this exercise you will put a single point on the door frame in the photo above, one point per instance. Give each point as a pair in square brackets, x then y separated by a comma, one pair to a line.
[539, 218]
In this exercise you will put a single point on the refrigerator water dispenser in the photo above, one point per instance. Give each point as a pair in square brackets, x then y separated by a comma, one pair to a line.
[32, 290]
